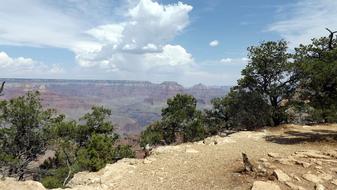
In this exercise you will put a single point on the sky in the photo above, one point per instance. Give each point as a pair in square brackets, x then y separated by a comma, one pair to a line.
[187, 41]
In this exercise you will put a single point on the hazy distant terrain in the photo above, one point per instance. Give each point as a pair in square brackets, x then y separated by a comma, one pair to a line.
[134, 104]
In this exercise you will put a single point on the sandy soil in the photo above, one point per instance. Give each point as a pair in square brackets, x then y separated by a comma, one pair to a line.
[212, 164]
[216, 162]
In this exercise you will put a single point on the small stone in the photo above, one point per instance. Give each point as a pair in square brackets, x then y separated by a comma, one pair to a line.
[326, 177]
[319, 187]
[274, 155]
[313, 178]
[318, 167]
[263, 160]
[262, 185]
[281, 176]
[295, 177]
[334, 182]
[302, 163]
[294, 187]
[284, 161]
[318, 162]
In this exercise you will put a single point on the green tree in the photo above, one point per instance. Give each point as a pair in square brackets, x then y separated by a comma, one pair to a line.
[316, 66]
[181, 117]
[216, 118]
[89, 145]
[152, 135]
[21, 133]
[270, 73]
[246, 110]
[96, 122]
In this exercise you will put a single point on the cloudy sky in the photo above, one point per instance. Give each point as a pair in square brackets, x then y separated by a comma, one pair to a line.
[188, 41]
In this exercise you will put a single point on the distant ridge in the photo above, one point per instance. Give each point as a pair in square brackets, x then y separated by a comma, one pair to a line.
[134, 104]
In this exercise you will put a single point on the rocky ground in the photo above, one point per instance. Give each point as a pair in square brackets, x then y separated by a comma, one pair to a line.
[286, 157]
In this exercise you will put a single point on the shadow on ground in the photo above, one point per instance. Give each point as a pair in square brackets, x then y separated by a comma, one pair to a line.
[297, 137]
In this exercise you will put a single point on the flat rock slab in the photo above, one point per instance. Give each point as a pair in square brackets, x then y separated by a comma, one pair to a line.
[281, 176]
[311, 154]
[262, 185]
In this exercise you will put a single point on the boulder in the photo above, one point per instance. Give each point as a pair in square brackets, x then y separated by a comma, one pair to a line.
[262, 185]
[12, 184]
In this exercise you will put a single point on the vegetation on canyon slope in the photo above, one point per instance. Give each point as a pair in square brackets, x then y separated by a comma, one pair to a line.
[276, 87]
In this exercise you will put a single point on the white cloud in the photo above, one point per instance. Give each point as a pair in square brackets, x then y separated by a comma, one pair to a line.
[214, 43]
[136, 44]
[171, 55]
[140, 40]
[306, 20]
[21, 67]
[235, 61]
[226, 60]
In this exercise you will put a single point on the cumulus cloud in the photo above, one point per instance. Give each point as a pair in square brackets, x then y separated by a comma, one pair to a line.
[140, 41]
[134, 43]
[21, 66]
[214, 43]
[306, 20]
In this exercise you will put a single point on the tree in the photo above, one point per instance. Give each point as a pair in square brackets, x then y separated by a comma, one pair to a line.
[246, 110]
[216, 118]
[95, 122]
[181, 118]
[89, 145]
[270, 73]
[152, 135]
[316, 66]
[21, 133]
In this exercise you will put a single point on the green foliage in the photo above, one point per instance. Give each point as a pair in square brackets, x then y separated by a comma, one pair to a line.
[27, 130]
[86, 146]
[246, 110]
[152, 135]
[316, 66]
[54, 177]
[180, 119]
[98, 152]
[239, 109]
[216, 118]
[21, 134]
[270, 74]
[95, 122]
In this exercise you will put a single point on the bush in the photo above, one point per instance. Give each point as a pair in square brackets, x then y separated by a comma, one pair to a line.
[181, 122]
[240, 110]
[152, 135]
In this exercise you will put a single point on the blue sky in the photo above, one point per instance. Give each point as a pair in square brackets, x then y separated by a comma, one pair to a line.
[190, 41]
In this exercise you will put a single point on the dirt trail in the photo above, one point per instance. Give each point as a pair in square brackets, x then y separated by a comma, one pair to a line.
[210, 164]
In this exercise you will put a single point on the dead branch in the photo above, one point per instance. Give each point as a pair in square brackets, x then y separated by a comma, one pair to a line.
[330, 38]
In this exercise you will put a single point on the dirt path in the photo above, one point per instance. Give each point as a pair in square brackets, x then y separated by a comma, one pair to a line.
[214, 163]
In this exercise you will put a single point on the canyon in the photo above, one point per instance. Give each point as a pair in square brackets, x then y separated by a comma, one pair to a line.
[134, 104]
